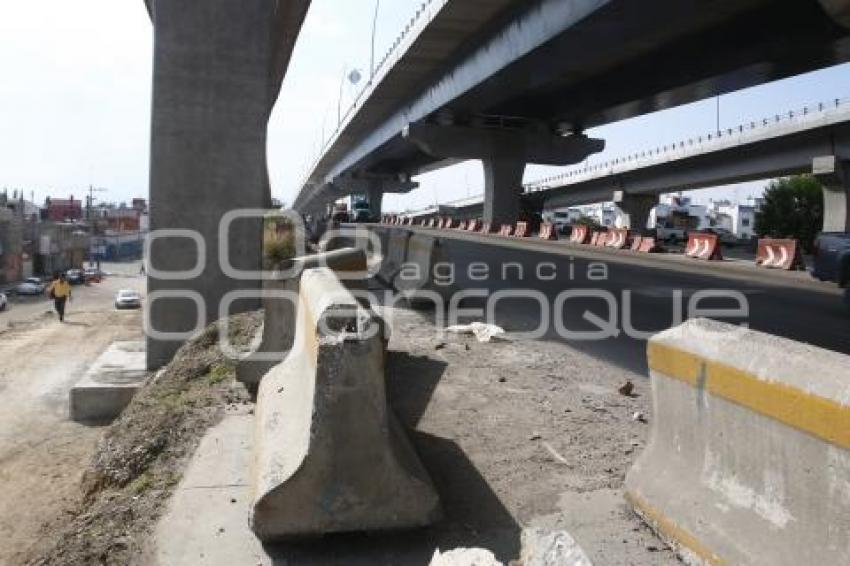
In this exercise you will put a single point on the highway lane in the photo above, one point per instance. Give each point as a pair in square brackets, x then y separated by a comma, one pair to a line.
[629, 297]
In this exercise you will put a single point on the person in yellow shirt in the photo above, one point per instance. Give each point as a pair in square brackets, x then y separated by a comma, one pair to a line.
[60, 291]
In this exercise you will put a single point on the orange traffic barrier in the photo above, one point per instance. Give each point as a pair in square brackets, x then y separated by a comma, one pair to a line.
[522, 230]
[775, 253]
[548, 231]
[636, 241]
[462, 225]
[506, 230]
[599, 239]
[648, 245]
[487, 228]
[703, 246]
[618, 239]
[473, 225]
[581, 234]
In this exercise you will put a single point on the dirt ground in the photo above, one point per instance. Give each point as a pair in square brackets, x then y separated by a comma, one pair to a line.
[514, 434]
[522, 434]
[43, 453]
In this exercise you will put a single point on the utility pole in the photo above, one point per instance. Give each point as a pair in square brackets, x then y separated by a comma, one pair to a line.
[90, 199]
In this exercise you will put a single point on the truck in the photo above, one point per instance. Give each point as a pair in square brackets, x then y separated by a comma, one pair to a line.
[361, 212]
[832, 260]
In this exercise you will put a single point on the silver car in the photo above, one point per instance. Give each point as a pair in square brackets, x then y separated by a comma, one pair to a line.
[30, 286]
[128, 299]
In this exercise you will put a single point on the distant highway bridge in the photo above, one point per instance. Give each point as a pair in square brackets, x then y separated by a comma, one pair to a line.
[512, 82]
[783, 144]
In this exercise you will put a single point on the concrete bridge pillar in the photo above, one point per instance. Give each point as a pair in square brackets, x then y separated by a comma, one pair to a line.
[637, 209]
[218, 65]
[375, 196]
[834, 174]
[502, 190]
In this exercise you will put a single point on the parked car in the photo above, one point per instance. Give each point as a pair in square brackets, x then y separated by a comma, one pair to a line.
[4, 301]
[128, 299]
[75, 276]
[92, 274]
[832, 258]
[30, 286]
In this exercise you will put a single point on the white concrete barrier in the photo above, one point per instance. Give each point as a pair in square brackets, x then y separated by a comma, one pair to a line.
[110, 383]
[393, 256]
[416, 275]
[329, 455]
[749, 455]
[278, 330]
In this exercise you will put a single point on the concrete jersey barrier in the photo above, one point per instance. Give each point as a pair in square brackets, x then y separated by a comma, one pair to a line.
[393, 256]
[278, 330]
[329, 455]
[749, 455]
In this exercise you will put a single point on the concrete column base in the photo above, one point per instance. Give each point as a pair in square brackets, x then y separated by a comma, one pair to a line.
[836, 199]
[502, 190]
[637, 209]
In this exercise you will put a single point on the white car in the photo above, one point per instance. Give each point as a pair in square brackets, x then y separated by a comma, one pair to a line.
[30, 286]
[128, 299]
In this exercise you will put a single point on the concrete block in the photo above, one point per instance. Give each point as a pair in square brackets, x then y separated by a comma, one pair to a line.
[749, 454]
[394, 256]
[278, 331]
[329, 455]
[110, 383]
[417, 271]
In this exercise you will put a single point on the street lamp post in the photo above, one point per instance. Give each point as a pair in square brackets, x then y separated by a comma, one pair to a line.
[374, 28]
[354, 78]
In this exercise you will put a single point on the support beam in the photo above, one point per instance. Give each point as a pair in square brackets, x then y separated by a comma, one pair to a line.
[834, 174]
[218, 66]
[527, 145]
[502, 190]
[636, 208]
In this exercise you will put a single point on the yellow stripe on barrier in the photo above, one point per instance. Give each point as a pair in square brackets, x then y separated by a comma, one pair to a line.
[671, 531]
[820, 417]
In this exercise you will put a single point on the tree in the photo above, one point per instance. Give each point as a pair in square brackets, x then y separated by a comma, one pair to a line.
[792, 208]
[588, 221]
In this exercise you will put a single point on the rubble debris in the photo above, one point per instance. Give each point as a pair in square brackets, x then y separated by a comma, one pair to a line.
[483, 332]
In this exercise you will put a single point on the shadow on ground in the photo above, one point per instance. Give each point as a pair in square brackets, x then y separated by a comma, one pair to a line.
[473, 514]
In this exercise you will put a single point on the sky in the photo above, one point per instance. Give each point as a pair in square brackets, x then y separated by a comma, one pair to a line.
[75, 86]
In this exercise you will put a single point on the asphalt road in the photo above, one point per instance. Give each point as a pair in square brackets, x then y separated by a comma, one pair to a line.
[635, 296]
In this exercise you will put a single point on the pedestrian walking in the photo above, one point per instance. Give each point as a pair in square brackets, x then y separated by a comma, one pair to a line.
[60, 291]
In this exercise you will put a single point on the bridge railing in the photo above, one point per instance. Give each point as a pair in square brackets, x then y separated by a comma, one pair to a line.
[809, 113]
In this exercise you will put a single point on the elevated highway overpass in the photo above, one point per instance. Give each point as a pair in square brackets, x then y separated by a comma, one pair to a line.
[784, 144]
[513, 82]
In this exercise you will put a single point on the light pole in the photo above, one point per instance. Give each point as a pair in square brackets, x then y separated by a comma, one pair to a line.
[354, 78]
[374, 28]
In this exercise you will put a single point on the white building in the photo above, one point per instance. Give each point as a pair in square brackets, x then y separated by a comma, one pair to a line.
[740, 219]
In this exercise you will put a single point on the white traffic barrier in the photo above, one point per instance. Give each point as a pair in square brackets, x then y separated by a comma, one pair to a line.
[280, 294]
[416, 277]
[393, 256]
[329, 455]
[749, 456]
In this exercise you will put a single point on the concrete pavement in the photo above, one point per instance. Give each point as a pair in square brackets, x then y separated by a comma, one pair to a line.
[647, 291]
